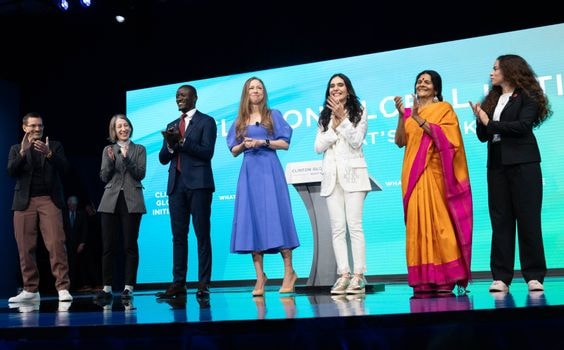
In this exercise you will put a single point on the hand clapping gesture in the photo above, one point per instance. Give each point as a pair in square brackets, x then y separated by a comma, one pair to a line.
[338, 110]
[25, 145]
[42, 147]
[481, 116]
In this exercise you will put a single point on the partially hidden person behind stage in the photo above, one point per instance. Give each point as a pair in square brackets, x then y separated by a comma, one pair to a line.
[341, 131]
[188, 148]
[514, 106]
[38, 165]
[262, 221]
[122, 206]
[76, 230]
[437, 197]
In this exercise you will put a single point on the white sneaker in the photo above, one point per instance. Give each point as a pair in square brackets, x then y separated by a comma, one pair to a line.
[25, 296]
[64, 295]
[28, 307]
[64, 306]
[340, 287]
[499, 286]
[535, 286]
[357, 286]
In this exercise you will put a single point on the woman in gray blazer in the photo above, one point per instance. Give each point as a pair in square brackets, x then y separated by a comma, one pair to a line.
[122, 205]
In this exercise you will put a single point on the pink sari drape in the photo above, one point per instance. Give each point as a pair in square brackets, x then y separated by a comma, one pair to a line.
[437, 202]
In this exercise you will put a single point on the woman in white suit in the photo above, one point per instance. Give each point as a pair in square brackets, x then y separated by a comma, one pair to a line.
[341, 131]
[122, 205]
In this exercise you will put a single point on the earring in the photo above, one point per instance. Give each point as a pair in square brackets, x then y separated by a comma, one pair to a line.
[435, 99]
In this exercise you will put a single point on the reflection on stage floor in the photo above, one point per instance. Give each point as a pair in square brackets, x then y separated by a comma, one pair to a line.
[237, 304]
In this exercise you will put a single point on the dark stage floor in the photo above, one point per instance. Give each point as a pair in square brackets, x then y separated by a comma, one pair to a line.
[390, 310]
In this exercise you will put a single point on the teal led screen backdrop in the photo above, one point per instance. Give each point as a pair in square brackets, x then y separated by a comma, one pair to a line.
[298, 92]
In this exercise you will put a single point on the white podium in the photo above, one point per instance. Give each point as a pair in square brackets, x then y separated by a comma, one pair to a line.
[306, 178]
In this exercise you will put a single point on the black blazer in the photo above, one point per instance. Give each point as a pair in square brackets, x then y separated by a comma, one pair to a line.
[195, 153]
[21, 169]
[78, 233]
[515, 126]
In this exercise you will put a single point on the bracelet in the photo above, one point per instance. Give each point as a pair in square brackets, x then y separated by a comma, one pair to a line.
[424, 121]
[49, 155]
[267, 143]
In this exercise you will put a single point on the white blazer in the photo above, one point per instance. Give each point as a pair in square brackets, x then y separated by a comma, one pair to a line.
[343, 158]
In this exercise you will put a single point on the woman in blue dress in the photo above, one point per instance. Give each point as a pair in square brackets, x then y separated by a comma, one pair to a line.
[263, 222]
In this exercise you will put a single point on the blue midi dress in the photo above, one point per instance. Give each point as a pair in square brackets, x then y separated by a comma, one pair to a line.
[262, 221]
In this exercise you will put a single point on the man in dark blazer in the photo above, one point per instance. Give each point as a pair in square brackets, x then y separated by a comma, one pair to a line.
[188, 148]
[38, 166]
[76, 231]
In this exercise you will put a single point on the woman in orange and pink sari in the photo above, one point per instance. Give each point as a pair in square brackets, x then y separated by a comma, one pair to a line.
[437, 199]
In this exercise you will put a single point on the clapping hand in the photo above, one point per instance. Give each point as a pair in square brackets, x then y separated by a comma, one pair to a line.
[171, 136]
[25, 145]
[111, 153]
[399, 106]
[42, 147]
[338, 110]
[481, 116]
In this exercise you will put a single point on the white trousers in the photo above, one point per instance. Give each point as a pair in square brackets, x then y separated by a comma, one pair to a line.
[345, 209]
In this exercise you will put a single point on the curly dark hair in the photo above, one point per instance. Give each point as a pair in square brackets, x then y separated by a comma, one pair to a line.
[519, 73]
[352, 105]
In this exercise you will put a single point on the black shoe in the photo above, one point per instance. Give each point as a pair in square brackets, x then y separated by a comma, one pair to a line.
[173, 291]
[104, 299]
[203, 292]
[177, 303]
[126, 294]
[104, 296]
[204, 302]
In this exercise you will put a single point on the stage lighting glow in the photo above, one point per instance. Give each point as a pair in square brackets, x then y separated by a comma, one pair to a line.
[85, 3]
[120, 19]
[63, 5]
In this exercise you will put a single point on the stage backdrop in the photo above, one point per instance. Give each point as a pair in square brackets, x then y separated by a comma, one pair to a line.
[298, 91]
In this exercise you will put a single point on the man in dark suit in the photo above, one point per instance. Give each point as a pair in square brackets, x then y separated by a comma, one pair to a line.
[76, 230]
[38, 166]
[188, 148]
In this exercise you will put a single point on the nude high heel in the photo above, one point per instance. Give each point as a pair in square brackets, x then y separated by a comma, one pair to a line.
[259, 290]
[290, 289]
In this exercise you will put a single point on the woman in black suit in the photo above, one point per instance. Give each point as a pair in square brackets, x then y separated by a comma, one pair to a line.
[122, 204]
[514, 106]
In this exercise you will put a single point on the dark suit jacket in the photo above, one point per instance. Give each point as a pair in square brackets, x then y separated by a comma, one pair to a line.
[21, 169]
[195, 153]
[123, 173]
[515, 126]
[79, 232]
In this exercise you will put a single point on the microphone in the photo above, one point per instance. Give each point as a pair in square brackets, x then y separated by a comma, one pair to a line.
[257, 123]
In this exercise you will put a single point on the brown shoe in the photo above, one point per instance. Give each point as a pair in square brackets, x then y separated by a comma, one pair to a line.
[173, 291]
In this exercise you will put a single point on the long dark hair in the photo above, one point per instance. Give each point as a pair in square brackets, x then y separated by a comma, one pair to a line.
[352, 105]
[519, 73]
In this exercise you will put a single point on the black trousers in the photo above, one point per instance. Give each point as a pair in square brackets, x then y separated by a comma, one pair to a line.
[515, 201]
[183, 204]
[120, 229]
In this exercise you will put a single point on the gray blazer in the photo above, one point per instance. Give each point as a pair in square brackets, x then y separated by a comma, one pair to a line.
[123, 173]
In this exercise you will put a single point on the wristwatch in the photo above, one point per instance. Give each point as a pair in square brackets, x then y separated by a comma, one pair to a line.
[267, 143]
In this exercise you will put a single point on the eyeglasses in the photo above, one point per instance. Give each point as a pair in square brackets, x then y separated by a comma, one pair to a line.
[35, 126]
